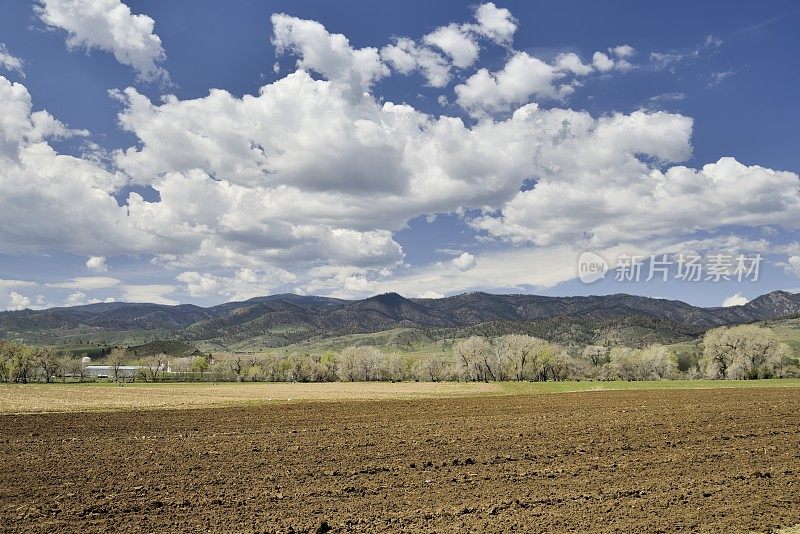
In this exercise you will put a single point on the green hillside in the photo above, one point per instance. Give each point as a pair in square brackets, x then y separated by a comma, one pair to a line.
[176, 349]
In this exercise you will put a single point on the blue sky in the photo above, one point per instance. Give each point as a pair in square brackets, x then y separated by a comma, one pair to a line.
[353, 148]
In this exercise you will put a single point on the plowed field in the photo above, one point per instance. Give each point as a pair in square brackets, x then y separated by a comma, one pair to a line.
[717, 460]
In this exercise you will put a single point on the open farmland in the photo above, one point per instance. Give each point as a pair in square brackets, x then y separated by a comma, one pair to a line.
[653, 460]
[104, 396]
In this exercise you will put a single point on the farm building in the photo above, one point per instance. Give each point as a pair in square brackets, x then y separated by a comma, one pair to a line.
[104, 371]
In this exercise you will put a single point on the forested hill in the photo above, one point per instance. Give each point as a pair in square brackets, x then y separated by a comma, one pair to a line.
[299, 317]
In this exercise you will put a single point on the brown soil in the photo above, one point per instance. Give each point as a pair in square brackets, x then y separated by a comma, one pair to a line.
[637, 461]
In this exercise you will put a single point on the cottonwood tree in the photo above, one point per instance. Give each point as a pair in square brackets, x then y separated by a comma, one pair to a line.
[76, 367]
[115, 360]
[430, 369]
[596, 354]
[717, 353]
[328, 367]
[473, 354]
[19, 362]
[784, 363]
[538, 354]
[236, 364]
[301, 367]
[559, 365]
[623, 364]
[658, 363]
[155, 364]
[219, 370]
[253, 367]
[392, 368]
[359, 363]
[369, 363]
[47, 361]
[741, 352]
[347, 365]
[510, 357]
[501, 360]
[654, 362]
[199, 365]
[548, 361]
[4, 361]
[63, 365]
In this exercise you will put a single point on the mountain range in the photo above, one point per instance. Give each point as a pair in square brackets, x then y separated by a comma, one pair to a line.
[290, 318]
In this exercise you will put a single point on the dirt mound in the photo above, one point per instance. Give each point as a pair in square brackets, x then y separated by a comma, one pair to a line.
[639, 461]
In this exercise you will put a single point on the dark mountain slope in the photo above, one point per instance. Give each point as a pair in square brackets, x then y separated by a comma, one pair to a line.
[381, 312]
[328, 316]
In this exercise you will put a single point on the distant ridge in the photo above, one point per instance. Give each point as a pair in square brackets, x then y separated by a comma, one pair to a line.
[302, 315]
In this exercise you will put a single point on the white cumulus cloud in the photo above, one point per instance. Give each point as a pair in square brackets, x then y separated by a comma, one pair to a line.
[243, 285]
[10, 62]
[451, 46]
[464, 262]
[456, 43]
[13, 299]
[735, 300]
[405, 56]
[498, 24]
[97, 264]
[108, 25]
[793, 265]
[306, 182]
[17, 301]
[328, 54]
[595, 187]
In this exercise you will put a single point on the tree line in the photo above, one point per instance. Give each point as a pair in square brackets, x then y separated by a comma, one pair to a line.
[740, 352]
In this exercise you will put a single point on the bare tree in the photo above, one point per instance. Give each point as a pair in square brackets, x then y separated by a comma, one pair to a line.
[430, 369]
[360, 363]
[236, 364]
[473, 354]
[76, 367]
[741, 352]
[658, 363]
[347, 365]
[596, 354]
[654, 362]
[115, 360]
[155, 364]
[522, 356]
[392, 368]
